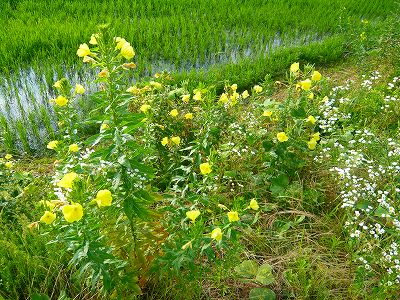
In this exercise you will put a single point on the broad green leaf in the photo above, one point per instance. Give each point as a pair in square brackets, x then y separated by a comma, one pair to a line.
[247, 269]
[299, 113]
[264, 274]
[262, 294]
[380, 211]
[279, 184]
[281, 180]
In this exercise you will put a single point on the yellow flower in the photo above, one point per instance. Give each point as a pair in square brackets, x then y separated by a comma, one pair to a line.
[57, 84]
[83, 50]
[223, 98]
[164, 141]
[93, 40]
[104, 126]
[155, 84]
[67, 180]
[216, 234]
[145, 108]
[176, 140]
[61, 101]
[73, 148]
[189, 116]
[8, 156]
[48, 217]
[134, 90]
[294, 68]
[312, 144]
[127, 51]
[253, 204]
[233, 216]
[33, 225]
[87, 59]
[257, 89]
[8, 165]
[282, 137]
[267, 113]
[197, 96]
[103, 73]
[103, 198]
[316, 136]
[193, 214]
[205, 168]
[173, 113]
[79, 89]
[245, 94]
[311, 120]
[120, 42]
[185, 98]
[316, 76]
[72, 212]
[311, 96]
[234, 97]
[129, 65]
[234, 87]
[306, 84]
[52, 145]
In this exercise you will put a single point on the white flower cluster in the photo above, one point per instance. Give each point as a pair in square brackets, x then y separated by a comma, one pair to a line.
[392, 85]
[367, 169]
[330, 109]
[370, 193]
[368, 83]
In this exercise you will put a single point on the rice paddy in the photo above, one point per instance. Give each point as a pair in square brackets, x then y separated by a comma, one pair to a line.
[207, 41]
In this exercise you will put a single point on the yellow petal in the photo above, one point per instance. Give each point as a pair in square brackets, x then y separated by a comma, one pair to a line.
[193, 214]
[73, 212]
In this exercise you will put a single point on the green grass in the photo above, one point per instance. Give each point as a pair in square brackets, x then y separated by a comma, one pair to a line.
[180, 34]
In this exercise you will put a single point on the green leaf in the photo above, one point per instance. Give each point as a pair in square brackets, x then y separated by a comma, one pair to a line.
[247, 269]
[134, 207]
[281, 180]
[380, 211]
[363, 204]
[264, 274]
[124, 161]
[40, 297]
[262, 294]
[231, 174]
[63, 296]
[299, 112]
[279, 184]
[267, 145]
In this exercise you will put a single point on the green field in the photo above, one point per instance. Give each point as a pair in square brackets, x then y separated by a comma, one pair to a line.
[180, 34]
[199, 150]
[206, 41]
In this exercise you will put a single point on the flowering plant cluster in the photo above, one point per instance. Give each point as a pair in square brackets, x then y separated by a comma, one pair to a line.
[364, 160]
[171, 177]
[154, 138]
